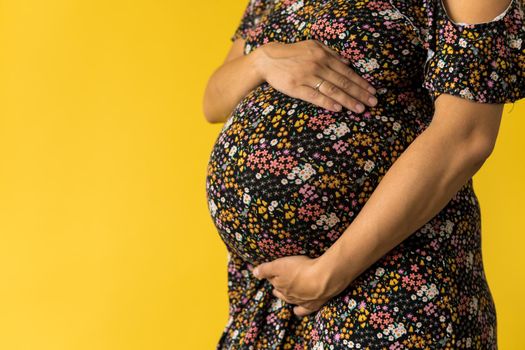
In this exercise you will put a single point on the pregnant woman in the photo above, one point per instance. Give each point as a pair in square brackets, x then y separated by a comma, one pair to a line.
[349, 223]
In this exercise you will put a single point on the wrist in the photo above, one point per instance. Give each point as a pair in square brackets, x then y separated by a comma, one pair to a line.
[334, 270]
[257, 59]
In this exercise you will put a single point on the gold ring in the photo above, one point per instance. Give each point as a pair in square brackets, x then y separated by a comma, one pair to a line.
[319, 84]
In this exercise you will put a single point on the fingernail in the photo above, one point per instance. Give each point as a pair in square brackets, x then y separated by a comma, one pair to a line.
[338, 107]
[372, 90]
[372, 100]
[255, 272]
[359, 107]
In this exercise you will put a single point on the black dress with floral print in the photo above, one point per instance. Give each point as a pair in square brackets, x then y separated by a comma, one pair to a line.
[286, 177]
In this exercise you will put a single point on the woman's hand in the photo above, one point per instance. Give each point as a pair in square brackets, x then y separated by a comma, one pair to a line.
[302, 281]
[296, 68]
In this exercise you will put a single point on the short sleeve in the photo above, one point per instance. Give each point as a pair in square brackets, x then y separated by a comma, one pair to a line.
[252, 15]
[482, 62]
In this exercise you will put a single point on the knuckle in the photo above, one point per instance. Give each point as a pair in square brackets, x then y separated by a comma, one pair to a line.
[314, 67]
[332, 89]
[313, 43]
[350, 72]
[345, 83]
[320, 54]
[313, 94]
[291, 81]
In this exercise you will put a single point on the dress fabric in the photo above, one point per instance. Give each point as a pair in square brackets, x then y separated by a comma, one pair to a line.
[286, 177]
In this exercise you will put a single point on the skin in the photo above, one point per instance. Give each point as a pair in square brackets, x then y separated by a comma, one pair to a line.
[293, 69]
[460, 138]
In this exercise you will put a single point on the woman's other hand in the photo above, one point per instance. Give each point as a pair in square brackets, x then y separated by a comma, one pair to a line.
[302, 281]
[296, 68]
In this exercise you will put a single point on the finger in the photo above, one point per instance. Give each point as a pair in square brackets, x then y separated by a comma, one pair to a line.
[344, 98]
[289, 300]
[341, 97]
[301, 311]
[309, 94]
[349, 73]
[340, 65]
[345, 87]
[312, 304]
[264, 270]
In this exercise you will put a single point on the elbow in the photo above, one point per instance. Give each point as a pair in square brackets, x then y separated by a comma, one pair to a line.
[211, 115]
[481, 150]
[208, 114]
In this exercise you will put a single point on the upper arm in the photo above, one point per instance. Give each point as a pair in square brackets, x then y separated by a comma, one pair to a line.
[236, 49]
[474, 124]
[477, 65]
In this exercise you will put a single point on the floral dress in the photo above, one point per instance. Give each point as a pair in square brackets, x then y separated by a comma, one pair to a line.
[286, 177]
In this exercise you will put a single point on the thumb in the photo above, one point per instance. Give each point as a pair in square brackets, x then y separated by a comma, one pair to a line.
[263, 270]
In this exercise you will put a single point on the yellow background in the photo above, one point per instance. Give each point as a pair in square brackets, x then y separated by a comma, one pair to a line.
[105, 237]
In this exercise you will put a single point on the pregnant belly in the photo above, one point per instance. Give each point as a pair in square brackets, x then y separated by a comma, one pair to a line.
[286, 177]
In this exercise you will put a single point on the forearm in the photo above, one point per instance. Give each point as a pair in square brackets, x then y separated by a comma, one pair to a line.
[228, 85]
[414, 189]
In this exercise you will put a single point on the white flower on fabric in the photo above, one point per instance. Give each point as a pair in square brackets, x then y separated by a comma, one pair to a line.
[369, 165]
[342, 129]
[391, 14]
[301, 173]
[327, 221]
[462, 42]
[380, 271]
[396, 126]
[296, 6]
[516, 43]
[441, 64]
[213, 207]
[449, 225]
[232, 151]
[432, 291]
[318, 346]
[276, 304]
[268, 109]
[306, 172]
[466, 92]
[399, 330]
[369, 65]
[449, 328]
[494, 76]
